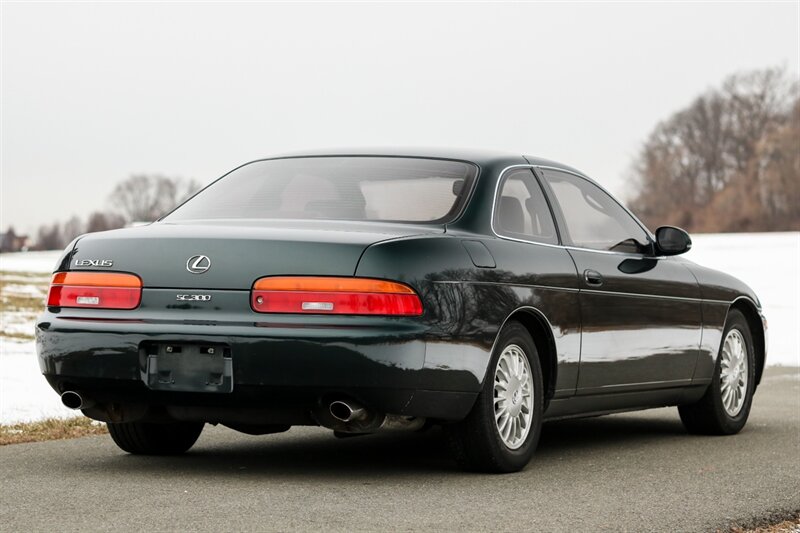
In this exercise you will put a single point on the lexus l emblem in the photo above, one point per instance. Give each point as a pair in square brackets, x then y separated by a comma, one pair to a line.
[197, 264]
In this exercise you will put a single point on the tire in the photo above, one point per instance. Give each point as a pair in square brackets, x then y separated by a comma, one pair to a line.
[476, 441]
[144, 438]
[709, 415]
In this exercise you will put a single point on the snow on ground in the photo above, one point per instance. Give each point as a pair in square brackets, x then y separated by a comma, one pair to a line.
[22, 297]
[768, 262]
[24, 394]
[18, 325]
[30, 262]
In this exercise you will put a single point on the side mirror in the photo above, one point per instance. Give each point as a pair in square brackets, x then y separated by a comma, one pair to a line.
[672, 241]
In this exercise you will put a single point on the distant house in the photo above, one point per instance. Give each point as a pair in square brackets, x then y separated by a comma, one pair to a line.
[11, 242]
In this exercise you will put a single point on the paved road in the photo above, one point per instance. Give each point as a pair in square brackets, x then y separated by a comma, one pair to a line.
[624, 472]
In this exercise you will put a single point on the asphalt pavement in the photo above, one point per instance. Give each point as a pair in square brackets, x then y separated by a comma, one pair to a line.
[636, 471]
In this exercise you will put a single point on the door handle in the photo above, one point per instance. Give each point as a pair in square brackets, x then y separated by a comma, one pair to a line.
[593, 278]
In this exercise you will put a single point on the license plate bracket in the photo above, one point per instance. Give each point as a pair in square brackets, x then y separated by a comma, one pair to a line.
[189, 367]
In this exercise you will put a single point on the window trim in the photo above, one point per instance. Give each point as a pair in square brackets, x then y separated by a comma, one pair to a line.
[560, 219]
[504, 175]
[536, 168]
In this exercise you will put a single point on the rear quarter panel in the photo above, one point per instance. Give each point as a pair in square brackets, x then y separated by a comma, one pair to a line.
[465, 306]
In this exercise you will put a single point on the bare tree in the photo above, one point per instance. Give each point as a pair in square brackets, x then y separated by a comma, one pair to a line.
[99, 221]
[145, 197]
[72, 228]
[705, 167]
[777, 166]
[8, 240]
[50, 238]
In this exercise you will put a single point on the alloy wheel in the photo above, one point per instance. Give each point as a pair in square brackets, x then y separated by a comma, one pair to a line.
[733, 372]
[513, 396]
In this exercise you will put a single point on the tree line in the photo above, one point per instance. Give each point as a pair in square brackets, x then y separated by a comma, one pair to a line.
[729, 161]
[140, 198]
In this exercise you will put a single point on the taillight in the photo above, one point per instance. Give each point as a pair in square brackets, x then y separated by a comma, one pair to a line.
[337, 296]
[98, 290]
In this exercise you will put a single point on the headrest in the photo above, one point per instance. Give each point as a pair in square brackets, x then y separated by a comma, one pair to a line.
[511, 215]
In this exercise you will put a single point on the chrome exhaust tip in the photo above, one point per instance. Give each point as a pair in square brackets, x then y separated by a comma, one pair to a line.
[346, 411]
[75, 400]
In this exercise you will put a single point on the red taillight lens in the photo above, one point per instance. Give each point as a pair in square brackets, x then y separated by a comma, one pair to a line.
[98, 290]
[334, 296]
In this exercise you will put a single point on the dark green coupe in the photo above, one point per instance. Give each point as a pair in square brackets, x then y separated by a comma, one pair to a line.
[366, 291]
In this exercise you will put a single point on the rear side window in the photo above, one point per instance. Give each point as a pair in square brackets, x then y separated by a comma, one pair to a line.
[521, 210]
[592, 218]
[337, 188]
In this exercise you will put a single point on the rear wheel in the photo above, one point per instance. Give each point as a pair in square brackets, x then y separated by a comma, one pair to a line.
[144, 438]
[501, 432]
[724, 408]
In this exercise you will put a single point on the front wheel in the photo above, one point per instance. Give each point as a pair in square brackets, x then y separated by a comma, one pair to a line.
[724, 408]
[501, 432]
[145, 438]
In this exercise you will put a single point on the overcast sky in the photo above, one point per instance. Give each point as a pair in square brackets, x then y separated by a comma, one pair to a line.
[93, 92]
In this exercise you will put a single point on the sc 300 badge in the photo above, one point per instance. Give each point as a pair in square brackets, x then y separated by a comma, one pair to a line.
[193, 297]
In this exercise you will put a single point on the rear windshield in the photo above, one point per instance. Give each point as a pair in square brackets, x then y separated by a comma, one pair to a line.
[396, 189]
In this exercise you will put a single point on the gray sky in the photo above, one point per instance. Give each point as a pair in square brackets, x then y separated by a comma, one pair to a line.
[92, 92]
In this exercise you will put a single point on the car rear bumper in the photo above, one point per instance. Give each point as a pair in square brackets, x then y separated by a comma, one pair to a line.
[282, 370]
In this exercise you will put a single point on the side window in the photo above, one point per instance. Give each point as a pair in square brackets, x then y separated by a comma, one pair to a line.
[592, 218]
[521, 210]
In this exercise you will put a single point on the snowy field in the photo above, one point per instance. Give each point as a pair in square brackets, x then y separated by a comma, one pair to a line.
[768, 262]
[24, 393]
[29, 262]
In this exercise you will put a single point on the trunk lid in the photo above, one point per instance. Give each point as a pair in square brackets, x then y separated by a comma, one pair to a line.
[239, 251]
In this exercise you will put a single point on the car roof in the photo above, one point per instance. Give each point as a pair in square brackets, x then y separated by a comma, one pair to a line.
[473, 155]
[542, 162]
[495, 160]
[480, 157]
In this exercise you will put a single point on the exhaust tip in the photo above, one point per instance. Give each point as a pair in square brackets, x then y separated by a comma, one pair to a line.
[72, 400]
[346, 412]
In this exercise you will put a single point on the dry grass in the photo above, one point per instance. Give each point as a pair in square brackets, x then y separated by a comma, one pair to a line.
[787, 526]
[50, 429]
[20, 306]
[12, 300]
[16, 335]
[38, 276]
[21, 302]
[788, 523]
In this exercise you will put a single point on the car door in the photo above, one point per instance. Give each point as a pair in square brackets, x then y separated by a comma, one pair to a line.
[541, 270]
[640, 314]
